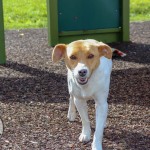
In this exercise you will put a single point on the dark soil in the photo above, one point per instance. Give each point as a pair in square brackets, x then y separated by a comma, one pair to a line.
[34, 96]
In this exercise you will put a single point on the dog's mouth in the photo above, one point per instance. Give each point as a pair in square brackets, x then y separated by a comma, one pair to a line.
[82, 81]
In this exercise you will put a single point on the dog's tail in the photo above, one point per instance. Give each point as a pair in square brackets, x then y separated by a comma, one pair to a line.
[117, 52]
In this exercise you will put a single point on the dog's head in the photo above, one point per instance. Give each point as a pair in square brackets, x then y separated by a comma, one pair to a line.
[82, 57]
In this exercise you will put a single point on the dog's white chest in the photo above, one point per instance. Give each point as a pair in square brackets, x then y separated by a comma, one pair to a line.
[81, 93]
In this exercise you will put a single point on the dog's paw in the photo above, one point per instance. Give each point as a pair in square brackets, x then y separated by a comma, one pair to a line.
[71, 115]
[84, 137]
[96, 146]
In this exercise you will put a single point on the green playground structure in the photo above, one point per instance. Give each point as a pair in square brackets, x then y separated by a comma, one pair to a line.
[103, 20]
[70, 20]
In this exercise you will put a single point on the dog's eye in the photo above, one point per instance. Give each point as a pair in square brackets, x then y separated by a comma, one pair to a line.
[73, 57]
[90, 56]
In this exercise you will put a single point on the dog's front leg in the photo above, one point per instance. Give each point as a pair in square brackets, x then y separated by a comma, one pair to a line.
[72, 110]
[101, 116]
[83, 112]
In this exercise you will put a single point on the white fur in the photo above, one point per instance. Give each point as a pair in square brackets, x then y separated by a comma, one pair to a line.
[97, 88]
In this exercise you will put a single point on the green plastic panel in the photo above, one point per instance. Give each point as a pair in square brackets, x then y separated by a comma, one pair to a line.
[74, 15]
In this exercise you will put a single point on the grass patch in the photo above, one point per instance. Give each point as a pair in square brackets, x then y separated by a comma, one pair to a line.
[139, 10]
[25, 14]
[33, 14]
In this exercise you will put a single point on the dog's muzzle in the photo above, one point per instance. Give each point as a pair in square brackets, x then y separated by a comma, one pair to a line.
[81, 73]
[82, 76]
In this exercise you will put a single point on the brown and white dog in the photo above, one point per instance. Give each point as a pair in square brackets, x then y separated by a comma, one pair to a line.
[89, 68]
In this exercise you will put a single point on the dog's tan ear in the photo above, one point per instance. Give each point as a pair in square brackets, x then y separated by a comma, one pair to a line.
[58, 52]
[105, 50]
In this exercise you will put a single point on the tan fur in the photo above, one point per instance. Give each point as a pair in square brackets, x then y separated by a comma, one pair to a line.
[58, 52]
[81, 50]
[105, 50]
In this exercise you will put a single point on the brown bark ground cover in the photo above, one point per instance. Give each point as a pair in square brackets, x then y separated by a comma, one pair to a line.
[34, 96]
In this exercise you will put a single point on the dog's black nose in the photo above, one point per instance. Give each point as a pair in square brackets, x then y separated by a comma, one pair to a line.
[82, 72]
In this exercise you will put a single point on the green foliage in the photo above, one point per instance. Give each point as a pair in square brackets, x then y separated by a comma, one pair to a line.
[25, 14]
[33, 14]
[139, 10]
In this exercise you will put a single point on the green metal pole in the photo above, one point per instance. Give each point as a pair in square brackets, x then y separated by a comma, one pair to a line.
[52, 17]
[125, 20]
[2, 37]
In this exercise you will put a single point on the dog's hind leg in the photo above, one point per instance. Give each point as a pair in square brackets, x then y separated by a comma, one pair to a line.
[72, 110]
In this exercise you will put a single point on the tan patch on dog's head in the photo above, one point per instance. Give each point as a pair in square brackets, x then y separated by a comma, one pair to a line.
[87, 52]
[105, 50]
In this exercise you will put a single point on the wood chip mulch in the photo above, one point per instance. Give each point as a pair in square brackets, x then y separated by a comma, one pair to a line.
[34, 96]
